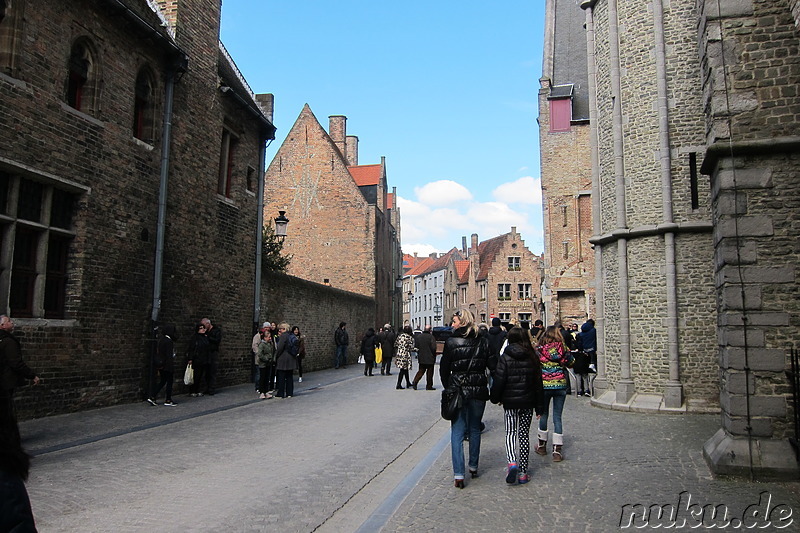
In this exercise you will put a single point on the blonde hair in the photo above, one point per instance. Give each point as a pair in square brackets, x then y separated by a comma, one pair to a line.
[284, 325]
[467, 321]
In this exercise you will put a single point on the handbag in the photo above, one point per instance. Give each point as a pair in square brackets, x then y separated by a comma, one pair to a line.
[188, 376]
[360, 359]
[452, 400]
[378, 354]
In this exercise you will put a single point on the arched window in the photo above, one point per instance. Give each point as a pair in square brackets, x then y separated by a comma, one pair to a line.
[10, 34]
[144, 106]
[82, 79]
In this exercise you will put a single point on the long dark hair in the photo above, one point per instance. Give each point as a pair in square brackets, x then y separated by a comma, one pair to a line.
[522, 337]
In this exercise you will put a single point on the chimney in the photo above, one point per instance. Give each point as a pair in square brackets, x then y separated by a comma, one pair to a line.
[464, 245]
[351, 145]
[337, 129]
[267, 104]
[474, 248]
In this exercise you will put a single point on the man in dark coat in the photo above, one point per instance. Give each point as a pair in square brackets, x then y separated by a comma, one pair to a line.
[342, 340]
[425, 345]
[387, 338]
[214, 339]
[497, 336]
[13, 372]
[587, 341]
[164, 363]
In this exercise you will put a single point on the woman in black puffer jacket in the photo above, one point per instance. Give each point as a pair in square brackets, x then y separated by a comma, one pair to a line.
[465, 359]
[518, 387]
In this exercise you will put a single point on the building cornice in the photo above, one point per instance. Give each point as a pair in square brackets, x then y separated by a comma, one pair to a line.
[649, 231]
[722, 149]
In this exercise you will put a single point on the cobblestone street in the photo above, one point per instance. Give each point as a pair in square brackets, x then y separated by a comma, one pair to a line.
[350, 453]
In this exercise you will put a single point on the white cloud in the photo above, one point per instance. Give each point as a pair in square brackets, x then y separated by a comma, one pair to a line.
[446, 211]
[422, 250]
[527, 190]
[442, 192]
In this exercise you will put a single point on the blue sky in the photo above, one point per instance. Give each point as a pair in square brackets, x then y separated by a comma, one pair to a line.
[446, 90]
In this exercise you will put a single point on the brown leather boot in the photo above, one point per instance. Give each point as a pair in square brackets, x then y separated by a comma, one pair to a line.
[557, 455]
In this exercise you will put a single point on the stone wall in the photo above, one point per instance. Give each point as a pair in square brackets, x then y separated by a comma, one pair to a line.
[661, 233]
[97, 353]
[751, 71]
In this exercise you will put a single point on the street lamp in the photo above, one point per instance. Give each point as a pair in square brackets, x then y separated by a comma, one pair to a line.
[280, 225]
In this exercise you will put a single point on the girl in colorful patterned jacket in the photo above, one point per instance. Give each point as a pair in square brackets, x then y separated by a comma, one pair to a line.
[555, 358]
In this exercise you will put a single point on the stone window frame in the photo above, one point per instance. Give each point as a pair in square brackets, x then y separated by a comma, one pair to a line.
[503, 291]
[524, 317]
[514, 263]
[11, 40]
[504, 317]
[83, 81]
[35, 241]
[143, 126]
[524, 291]
[227, 155]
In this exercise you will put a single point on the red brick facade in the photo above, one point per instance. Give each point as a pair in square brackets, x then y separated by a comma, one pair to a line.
[344, 222]
[503, 280]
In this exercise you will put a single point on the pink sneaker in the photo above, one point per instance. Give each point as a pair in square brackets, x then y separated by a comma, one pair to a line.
[523, 478]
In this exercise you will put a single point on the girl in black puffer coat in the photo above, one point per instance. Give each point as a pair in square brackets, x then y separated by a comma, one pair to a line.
[465, 358]
[517, 386]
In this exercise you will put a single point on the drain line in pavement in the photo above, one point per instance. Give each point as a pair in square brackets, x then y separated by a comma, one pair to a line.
[377, 520]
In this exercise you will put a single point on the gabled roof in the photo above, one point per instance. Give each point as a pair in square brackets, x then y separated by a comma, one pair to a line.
[410, 261]
[462, 267]
[421, 267]
[487, 251]
[366, 174]
[441, 262]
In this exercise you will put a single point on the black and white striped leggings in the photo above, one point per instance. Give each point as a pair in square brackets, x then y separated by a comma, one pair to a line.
[518, 427]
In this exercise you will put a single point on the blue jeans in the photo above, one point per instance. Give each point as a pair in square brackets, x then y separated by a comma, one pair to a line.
[558, 396]
[340, 359]
[467, 423]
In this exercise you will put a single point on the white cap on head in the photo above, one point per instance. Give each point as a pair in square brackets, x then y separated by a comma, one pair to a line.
[386, 326]
[266, 325]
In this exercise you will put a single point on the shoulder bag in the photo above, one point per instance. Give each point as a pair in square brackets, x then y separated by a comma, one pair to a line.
[452, 396]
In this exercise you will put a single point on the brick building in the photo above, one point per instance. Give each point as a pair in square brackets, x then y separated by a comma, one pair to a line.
[130, 155]
[705, 272]
[345, 222]
[502, 280]
[566, 167]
